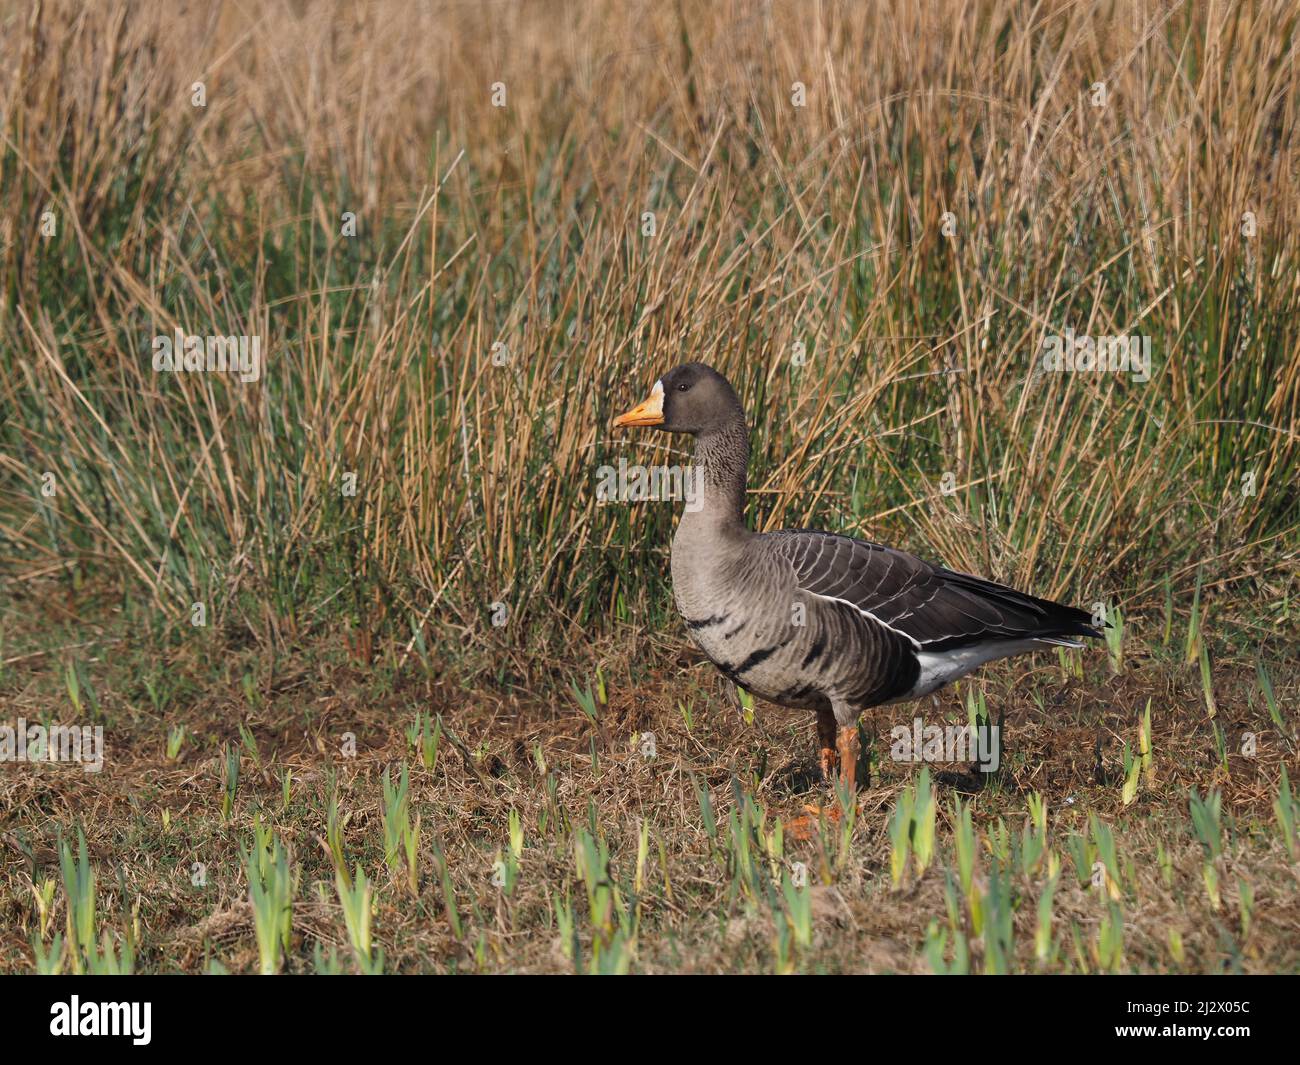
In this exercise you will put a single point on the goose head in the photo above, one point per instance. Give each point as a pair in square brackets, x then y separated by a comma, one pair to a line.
[693, 398]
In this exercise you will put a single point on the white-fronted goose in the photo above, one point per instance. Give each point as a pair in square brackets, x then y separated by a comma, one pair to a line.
[815, 620]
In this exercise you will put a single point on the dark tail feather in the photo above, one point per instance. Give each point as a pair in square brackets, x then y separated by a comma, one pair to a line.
[1028, 617]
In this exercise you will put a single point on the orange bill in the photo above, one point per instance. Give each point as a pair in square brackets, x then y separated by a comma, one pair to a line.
[647, 412]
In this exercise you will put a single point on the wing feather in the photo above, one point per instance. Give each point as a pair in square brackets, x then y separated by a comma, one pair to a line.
[936, 608]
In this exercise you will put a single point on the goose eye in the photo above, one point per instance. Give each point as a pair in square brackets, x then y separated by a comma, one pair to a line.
[683, 388]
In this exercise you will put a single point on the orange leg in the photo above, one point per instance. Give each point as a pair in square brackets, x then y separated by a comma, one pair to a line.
[839, 747]
[826, 743]
[848, 744]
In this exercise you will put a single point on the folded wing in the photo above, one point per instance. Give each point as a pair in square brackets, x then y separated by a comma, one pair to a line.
[937, 609]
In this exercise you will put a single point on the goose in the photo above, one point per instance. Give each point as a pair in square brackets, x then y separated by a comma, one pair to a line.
[815, 620]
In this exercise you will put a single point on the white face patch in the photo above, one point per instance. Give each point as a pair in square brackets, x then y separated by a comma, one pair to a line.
[658, 388]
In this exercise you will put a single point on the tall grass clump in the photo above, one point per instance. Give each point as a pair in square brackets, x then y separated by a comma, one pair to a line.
[453, 297]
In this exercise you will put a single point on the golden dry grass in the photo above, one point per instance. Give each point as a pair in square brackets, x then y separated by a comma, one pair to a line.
[520, 226]
[462, 356]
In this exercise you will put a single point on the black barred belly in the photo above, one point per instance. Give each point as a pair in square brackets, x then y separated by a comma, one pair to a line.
[838, 656]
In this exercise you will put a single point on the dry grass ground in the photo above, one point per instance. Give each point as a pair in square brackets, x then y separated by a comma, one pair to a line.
[684, 898]
[870, 216]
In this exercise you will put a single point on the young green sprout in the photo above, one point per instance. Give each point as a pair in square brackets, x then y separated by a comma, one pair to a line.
[924, 812]
[900, 837]
[1044, 945]
[1246, 905]
[429, 741]
[249, 685]
[448, 892]
[1110, 939]
[249, 741]
[966, 844]
[1144, 747]
[999, 927]
[175, 740]
[1107, 855]
[1284, 809]
[746, 705]
[1132, 767]
[936, 944]
[1192, 648]
[271, 888]
[401, 837]
[80, 692]
[79, 894]
[1114, 633]
[585, 699]
[1207, 823]
[1033, 842]
[1270, 700]
[231, 782]
[44, 896]
[356, 896]
[566, 926]
[798, 910]
[1207, 684]
[334, 826]
[49, 961]
[1175, 941]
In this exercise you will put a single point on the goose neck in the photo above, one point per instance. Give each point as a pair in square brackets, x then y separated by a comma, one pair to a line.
[723, 454]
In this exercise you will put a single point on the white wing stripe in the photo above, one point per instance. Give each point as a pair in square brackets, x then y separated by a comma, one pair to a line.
[866, 613]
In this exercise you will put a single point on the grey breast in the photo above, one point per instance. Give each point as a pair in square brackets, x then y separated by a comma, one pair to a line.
[743, 605]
